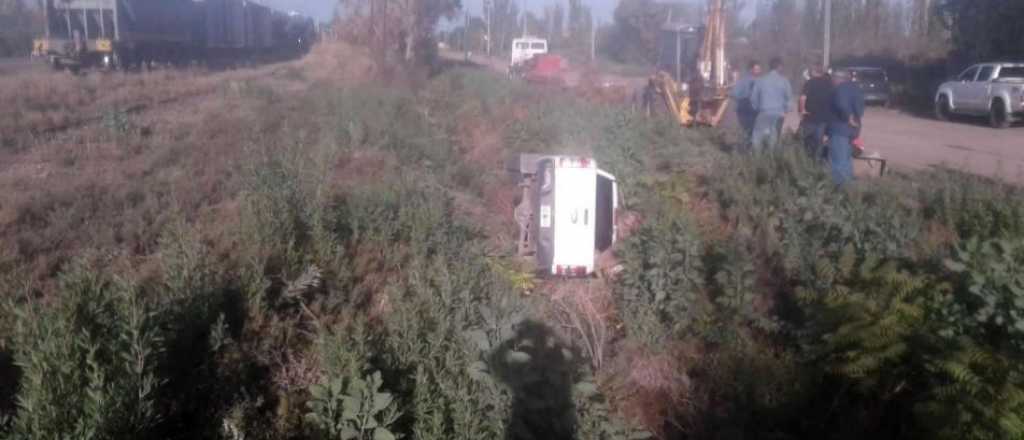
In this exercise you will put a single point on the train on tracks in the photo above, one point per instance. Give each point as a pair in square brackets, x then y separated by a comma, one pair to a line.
[132, 33]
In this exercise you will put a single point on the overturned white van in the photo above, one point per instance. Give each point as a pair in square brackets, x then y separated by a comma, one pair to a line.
[567, 213]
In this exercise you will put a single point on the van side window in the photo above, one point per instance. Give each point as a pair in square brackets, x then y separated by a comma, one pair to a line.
[538, 46]
[522, 45]
[604, 217]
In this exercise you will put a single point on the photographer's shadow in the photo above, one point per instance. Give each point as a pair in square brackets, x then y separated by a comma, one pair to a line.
[540, 370]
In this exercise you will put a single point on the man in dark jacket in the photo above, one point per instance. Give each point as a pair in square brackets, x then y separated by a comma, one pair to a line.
[848, 109]
[815, 111]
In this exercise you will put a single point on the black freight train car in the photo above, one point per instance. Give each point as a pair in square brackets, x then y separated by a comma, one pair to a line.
[126, 33]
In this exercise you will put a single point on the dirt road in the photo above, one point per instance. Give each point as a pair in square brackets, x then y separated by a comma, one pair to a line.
[20, 64]
[915, 142]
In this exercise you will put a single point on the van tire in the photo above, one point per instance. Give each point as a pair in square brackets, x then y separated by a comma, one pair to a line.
[998, 117]
[942, 110]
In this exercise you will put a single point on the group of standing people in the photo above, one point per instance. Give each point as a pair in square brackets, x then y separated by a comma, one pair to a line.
[831, 108]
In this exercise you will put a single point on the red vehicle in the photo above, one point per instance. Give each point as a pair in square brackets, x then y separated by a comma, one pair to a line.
[546, 69]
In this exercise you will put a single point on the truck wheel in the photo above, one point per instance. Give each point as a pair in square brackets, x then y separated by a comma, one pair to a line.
[942, 111]
[998, 117]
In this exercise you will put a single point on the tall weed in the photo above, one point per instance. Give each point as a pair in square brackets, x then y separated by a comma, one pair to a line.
[90, 363]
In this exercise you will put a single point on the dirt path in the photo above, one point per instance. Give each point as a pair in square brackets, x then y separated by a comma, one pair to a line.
[9, 66]
[915, 142]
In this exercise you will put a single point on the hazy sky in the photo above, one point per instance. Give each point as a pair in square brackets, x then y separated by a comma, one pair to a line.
[324, 9]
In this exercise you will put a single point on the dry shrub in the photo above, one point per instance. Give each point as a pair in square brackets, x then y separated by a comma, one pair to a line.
[585, 310]
[40, 103]
[149, 147]
[297, 371]
[937, 238]
[484, 144]
[360, 166]
[709, 220]
[337, 62]
[650, 388]
[592, 87]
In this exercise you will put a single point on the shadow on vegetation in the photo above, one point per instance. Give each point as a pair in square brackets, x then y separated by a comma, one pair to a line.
[207, 369]
[10, 375]
[540, 370]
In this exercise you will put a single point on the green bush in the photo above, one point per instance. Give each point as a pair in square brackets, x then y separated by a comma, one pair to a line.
[906, 341]
[972, 206]
[90, 365]
[352, 409]
[990, 280]
[660, 292]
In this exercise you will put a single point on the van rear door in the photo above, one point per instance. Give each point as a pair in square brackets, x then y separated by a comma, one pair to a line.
[574, 216]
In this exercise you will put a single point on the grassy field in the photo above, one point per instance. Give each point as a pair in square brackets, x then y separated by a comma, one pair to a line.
[321, 250]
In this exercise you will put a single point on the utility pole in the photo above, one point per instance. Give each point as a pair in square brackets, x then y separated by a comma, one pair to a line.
[488, 7]
[828, 35]
[593, 38]
[526, 10]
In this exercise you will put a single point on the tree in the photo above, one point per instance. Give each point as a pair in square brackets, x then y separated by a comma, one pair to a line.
[504, 23]
[18, 24]
[636, 26]
[405, 27]
[985, 29]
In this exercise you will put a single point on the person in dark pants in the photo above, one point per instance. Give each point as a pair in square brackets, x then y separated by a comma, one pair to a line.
[815, 111]
[848, 111]
[741, 94]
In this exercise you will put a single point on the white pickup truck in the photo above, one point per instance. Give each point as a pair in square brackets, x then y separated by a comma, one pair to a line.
[995, 90]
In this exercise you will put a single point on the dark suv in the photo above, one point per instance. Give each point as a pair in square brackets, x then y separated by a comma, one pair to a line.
[874, 82]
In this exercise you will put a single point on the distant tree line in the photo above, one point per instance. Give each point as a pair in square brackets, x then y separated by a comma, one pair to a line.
[985, 29]
[567, 26]
[18, 25]
[909, 30]
[396, 30]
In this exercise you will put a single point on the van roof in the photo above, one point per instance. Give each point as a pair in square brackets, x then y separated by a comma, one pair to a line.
[529, 40]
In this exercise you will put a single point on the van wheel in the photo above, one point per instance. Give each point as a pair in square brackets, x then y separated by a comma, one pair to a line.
[942, 112]
[998, 117]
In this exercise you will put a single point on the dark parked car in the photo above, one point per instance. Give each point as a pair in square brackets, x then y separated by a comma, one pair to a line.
[874, 82]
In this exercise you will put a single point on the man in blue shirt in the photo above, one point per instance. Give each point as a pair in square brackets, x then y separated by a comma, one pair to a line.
[848, 110]
[771, 98]
[741, 94]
